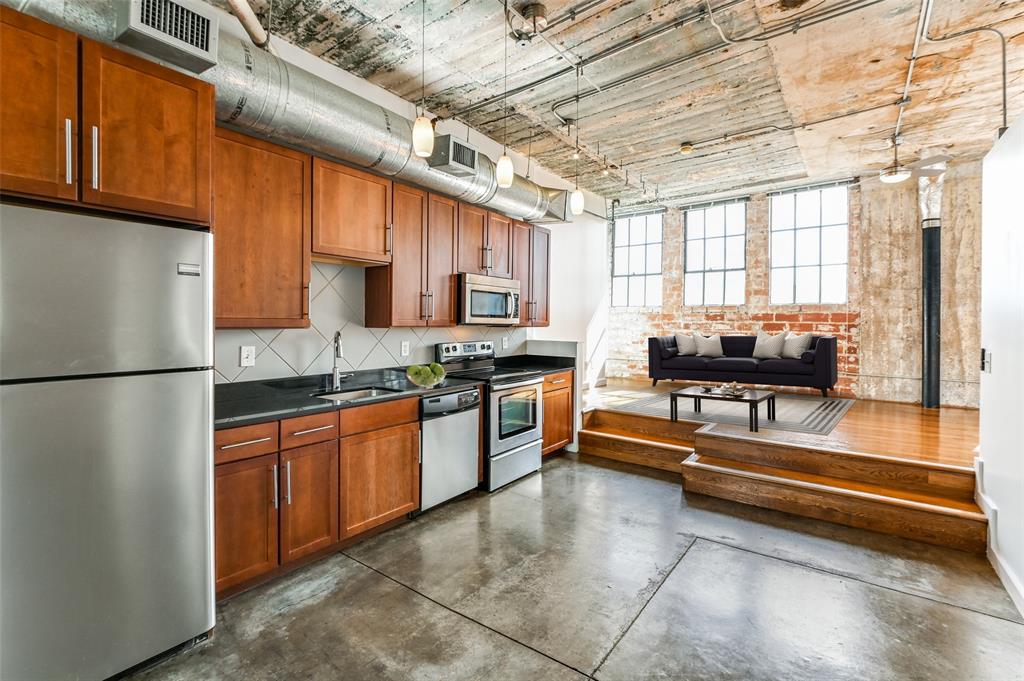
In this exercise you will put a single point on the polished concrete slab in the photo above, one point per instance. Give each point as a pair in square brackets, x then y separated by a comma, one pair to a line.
[582, 567]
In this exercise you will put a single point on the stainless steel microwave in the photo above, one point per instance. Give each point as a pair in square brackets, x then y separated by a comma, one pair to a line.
[488, 300]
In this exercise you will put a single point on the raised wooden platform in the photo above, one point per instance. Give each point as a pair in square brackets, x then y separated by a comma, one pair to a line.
[905, 489]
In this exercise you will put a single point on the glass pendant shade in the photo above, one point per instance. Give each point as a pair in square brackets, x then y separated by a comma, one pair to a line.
[576, 202]
[894, 174]
[504, 172]
[423, 137]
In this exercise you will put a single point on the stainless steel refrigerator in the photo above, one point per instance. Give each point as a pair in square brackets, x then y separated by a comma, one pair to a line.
[106, 453]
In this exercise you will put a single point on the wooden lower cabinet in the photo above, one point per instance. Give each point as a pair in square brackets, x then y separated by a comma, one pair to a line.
[558, 412]
[380, 477]
[309, 499]
[245, 520]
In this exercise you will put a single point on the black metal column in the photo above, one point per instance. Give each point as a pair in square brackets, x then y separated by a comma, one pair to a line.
[931, 308]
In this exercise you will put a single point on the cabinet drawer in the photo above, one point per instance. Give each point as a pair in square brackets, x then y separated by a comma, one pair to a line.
[562, 379]
[233, 444]
[305, 430]
[376, 416]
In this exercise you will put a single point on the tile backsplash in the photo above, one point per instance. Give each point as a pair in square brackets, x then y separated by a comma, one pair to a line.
[336, 304]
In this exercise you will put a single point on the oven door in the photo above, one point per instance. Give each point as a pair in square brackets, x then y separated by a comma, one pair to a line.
[486, 300]
[516, 415]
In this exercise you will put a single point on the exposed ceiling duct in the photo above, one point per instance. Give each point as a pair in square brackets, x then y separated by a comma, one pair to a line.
[262, 94]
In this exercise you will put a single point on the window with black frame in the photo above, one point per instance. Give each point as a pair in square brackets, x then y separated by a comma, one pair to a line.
[715, 255]
[809, 249]
[636, 261]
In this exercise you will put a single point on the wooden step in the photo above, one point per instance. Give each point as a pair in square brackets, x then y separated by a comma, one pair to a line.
[776, 450]
[642, 425]
[653, 451]
[923, 517]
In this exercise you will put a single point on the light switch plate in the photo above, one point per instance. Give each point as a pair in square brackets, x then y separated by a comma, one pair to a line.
[247, 356]
[405, 348]
[504, 342]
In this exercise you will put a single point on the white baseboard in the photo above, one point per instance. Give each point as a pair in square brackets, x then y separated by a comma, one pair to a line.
[1011, 581]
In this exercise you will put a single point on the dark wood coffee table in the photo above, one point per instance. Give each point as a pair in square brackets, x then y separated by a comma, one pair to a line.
[751, 397]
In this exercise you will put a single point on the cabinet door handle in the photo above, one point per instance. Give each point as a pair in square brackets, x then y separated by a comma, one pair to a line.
[95, 157]
[490, 258]
[561, 380]
[288, 482]
[483, 257]
[67, 150]
[311, 430]
[423, 306]
[430, 297]
[247, 442]
[275, 486]
[389, 238]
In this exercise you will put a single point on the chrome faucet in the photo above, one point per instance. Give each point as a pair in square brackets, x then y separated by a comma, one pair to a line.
[336, 374]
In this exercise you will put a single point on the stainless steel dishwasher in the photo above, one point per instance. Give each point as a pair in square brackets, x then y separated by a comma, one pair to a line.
[450, 446]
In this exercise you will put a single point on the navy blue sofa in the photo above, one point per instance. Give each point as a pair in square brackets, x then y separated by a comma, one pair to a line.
[817, 368]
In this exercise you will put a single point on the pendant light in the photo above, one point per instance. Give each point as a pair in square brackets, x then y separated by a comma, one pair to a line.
[504, 170]
[894, 173]
[423, 129]
[576, 198]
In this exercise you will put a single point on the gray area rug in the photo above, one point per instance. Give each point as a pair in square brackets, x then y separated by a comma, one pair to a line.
[796, 413]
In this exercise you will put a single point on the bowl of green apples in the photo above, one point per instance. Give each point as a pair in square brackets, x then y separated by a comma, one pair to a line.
[425, 376]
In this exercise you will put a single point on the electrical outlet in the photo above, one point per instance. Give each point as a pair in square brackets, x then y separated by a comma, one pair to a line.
[504, 342]
[247, 356]
[405, 348]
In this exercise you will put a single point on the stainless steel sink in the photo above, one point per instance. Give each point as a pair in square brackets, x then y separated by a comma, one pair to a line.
[359, 394]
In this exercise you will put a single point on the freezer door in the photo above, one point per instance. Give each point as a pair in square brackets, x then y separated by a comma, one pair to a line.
[89, 295]
[105, 522]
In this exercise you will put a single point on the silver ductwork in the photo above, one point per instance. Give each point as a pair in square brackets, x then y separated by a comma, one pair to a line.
[261, 94]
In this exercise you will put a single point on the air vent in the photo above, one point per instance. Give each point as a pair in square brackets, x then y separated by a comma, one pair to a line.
[453, 156]
[176, 31]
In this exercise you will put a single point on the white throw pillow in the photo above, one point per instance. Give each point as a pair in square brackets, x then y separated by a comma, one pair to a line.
[768, 346]
[708, 346]
[686, 344]
[796, 345]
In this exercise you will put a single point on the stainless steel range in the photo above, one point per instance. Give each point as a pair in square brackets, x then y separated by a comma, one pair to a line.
[513, 405]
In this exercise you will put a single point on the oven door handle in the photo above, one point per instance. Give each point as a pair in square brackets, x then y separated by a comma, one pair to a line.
[507, 386]
[510, 452]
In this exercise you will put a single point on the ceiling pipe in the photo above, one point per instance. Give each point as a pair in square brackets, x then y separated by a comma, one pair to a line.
[247, 17]
[260, 94]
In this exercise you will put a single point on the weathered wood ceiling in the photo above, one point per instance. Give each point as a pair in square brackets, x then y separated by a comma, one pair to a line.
[849, 63]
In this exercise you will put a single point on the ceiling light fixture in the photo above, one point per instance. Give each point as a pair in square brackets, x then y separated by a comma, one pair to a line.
[895, 173]
[686, 148]
[504, 171]
[422, 128]
[576, 198]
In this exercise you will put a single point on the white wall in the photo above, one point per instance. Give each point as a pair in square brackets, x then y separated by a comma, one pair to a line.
[1001, 460]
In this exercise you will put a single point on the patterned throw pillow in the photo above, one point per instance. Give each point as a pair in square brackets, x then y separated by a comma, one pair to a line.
[686, 344]
[796, 345]
[768, 346]
[708, 346]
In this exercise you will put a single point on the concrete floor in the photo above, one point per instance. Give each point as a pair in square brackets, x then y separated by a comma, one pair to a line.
[608, 571]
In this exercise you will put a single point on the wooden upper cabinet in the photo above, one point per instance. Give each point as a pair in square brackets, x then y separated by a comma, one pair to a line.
[522, 241]
[442, 239]
[351, 213]
[540, 276]
[396, 295]
[245, 519]
[309, 499]
[499, 245]
[262, 219]
[147, 136]
[38, 107]
[380, 477]
[472, 239]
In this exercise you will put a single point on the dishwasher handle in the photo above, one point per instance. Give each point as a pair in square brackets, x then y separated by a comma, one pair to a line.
[440, 414]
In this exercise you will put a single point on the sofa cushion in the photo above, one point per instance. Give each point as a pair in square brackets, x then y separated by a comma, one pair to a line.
[685, 345]
[708, 346]
[767, 346]
[785, 366]
[667, 346]
[738, 346]
[796, 345]
[686, 362]
[808, 357]
[747, 364]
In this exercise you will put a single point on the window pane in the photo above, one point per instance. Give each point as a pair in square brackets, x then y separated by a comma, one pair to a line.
[621, 261]
[833, 245]
[714, 254]
[653, 259]
[807, 284]
[714, 221]
[654, 228]
[808, 208]
[636, 259]
[694, 224]
[694, 256]
[782, 211]
[621, 232]
[714, 288]
[734, 252]
[636, 291]
[807, 246]
[782, 286]
[735, 218]
[654, 290]
[735, 287]
[637, 231]
[619, 291]
[782, 249]
[833, 284]
[834, 207]
[693, 289]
